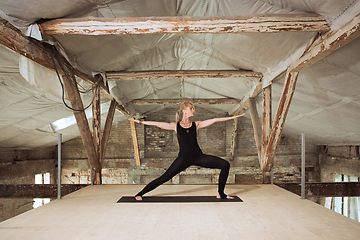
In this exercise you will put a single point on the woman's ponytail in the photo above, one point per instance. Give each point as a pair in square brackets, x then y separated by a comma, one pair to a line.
[180, 113]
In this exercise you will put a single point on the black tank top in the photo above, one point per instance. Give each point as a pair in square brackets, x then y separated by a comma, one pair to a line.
[187, 140]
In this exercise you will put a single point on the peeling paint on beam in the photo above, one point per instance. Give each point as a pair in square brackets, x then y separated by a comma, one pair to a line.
[179, 101]
[159, 74]
[326, 44]
[265, 23]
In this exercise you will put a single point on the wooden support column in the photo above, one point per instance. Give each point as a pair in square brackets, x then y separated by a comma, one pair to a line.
[107, 128]
[135, 143]
[96, 111]
[279, 120]
[266, 129]
[81, 120]
[233, 139]
[256, 125]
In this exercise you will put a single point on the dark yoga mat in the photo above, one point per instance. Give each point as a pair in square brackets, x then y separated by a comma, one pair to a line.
[177, 199]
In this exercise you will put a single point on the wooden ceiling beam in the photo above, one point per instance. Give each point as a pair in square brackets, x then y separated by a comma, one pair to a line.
[42, 53]
[322, 47]
[264, 23]
[199, 101]
[158, 74]
[326, 44]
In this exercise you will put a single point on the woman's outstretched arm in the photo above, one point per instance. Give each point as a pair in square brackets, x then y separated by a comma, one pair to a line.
[163, 125]
[205, 123]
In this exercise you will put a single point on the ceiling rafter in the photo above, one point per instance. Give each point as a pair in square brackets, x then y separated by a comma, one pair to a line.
[322, 47]
[158, 74]
[265, 23]
[198, 101]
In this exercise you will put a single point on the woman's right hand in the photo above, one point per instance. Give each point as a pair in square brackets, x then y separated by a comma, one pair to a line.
[135, 120]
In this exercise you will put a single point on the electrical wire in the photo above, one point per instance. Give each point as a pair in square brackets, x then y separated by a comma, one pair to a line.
[67, 78]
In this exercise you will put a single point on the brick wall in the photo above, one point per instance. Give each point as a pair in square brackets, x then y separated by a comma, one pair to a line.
[158, 148]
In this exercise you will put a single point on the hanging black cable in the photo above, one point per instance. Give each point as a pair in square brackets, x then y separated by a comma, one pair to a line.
[67, 78]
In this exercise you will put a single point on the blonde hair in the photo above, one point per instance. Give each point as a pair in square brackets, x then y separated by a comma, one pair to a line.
[180, 113]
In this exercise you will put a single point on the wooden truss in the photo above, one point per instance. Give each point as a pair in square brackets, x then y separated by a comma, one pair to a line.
[327, 42]
[43, 54]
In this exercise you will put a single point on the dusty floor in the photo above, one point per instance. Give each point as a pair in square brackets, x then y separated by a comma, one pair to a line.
[268, 212]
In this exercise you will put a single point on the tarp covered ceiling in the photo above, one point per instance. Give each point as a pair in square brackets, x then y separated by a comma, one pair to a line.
[325, 104]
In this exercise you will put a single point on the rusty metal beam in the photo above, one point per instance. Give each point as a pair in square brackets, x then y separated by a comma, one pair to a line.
[198, 101]
[159, 74]
[37, 190]
[264, 23]
[325, 189]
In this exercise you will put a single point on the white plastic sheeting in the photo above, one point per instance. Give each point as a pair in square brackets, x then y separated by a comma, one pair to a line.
[325, 105]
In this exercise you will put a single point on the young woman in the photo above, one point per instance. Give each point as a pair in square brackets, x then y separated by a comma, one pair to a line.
[190, 152]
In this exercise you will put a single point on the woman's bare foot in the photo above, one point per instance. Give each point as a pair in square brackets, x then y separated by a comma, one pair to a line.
[227, 197]
[138, 198]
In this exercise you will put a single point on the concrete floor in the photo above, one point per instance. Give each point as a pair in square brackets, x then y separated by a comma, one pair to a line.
[268, 212]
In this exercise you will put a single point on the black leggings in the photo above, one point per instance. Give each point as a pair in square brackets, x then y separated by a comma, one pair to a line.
[182, 163]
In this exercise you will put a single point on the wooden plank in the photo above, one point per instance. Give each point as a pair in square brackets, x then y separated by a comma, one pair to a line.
[207, 101]
[279, 120]
[266, 122]
[264, 23]
[81, 120]
[267, 210]
[107, 128]
[256, 125]
[37, 190]
[326, 44]
[159, 74]
[233, 139]
[135, 143]
[96, 121]
[325, 189]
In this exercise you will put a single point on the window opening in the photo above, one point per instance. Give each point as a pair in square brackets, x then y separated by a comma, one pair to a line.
[347, 206]
[42, 178]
